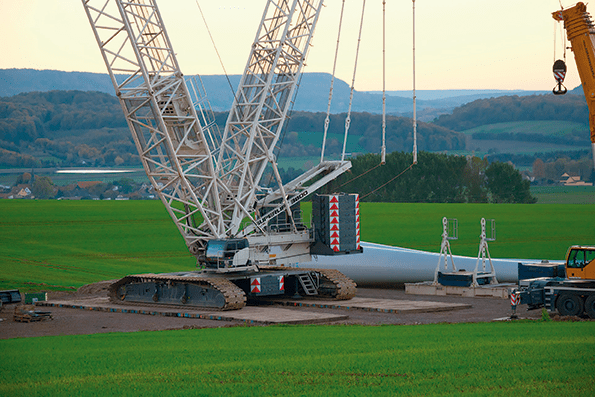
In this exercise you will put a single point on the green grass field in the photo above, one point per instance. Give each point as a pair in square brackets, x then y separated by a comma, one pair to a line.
[481, 147]
[546, 127]
[495, 359]
[69, 244]
[564, 194]
[62, 245]
[49, 244]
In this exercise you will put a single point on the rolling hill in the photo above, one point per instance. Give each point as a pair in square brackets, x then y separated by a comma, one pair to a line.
[312, 95]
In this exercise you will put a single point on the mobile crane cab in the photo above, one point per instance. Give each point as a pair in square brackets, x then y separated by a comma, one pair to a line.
[580, 262]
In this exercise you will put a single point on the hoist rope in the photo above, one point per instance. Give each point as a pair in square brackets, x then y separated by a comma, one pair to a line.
[558, 28]
[216, 50]
[330, 95]
[348, 118]
[383, 148]
[384, 184]
[555, 34]
[382, 157]
[360, 175]
[414, 95]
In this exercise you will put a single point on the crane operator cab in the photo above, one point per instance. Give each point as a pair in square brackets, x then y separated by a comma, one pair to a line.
[580, 262]
[226, 254]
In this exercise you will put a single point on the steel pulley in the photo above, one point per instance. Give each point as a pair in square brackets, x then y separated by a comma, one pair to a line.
[559, 74]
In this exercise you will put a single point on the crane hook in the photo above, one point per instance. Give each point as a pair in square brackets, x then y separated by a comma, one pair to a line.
[559, 74]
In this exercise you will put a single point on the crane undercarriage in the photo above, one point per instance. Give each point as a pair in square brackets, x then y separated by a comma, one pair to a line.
[231, 291]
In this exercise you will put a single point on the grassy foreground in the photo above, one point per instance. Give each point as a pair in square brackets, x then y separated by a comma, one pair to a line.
[528, 358]
[49, 244]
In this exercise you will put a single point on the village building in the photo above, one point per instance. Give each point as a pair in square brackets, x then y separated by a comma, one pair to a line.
[573, 180]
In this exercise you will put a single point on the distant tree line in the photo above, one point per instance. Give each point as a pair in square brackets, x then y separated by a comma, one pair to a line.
[368, 127]
[525, 160]
[550, 171]
[75, 128]
[61, 128]
[26, 117]
[436, 178]
[516, 108]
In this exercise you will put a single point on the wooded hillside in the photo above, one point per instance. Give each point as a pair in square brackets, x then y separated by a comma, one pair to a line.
[516, 108]
[60, 128]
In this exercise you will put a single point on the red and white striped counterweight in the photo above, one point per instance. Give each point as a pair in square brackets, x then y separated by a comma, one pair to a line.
[357, 237]
[334, 223]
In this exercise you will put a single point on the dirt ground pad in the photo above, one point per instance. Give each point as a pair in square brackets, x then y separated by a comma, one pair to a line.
[68, 321]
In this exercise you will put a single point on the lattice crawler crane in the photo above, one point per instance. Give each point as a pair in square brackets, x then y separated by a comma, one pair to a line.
[246, 236]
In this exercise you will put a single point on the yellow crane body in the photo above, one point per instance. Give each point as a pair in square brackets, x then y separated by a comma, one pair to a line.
[580, 31]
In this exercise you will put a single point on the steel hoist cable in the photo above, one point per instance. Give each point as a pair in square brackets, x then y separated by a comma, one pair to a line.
[360, 175]
[383, 148]
[216, 50]
[386, 183]
[330, 95]
[348, 118]
[383, 153]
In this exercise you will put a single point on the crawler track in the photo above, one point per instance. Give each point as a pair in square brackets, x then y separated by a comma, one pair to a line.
[345, 288]
[202, 292]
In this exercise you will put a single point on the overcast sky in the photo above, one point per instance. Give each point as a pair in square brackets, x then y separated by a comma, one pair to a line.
[460, 44]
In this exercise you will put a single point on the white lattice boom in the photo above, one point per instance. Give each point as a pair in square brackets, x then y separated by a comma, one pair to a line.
[197, 172]
[176, 152]
[262, 101]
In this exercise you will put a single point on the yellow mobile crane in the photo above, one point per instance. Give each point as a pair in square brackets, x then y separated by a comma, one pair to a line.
[580, 31]
[568, 288]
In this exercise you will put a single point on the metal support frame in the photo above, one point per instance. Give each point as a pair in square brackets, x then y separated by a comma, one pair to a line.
[484, 254]
[450, 231]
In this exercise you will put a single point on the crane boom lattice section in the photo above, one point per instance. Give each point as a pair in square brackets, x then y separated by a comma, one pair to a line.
[176, 151]
[261, 104]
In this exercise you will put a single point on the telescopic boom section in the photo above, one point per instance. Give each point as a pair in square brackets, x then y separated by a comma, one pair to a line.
[176, 152]
[261, 105]
[581, 34]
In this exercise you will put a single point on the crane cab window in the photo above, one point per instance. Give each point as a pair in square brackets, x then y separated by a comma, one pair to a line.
[215, 249]
[579, 258]
[224, 249]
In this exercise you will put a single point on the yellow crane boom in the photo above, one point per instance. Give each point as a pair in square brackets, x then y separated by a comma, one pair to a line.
[580, 31]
